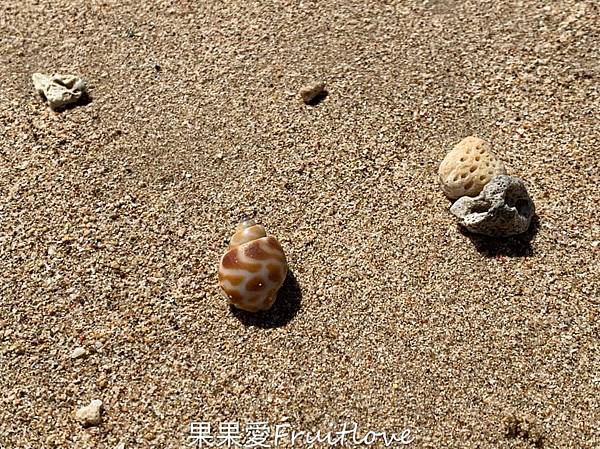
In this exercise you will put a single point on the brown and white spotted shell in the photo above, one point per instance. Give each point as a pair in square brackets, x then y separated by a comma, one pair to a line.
[253, 268]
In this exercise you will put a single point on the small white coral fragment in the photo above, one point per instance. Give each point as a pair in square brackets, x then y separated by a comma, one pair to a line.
[59, 90]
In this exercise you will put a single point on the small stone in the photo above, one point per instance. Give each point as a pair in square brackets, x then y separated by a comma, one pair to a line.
[468, 168]
[503, 208]
[78, 352]
[311, 92]
[102, 382]
[90, 415]
[59, 90]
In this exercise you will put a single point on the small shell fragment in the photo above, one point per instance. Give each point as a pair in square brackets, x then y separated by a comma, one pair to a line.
[312, 91]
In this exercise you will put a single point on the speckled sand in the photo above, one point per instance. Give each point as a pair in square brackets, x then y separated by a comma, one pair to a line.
[113, 216]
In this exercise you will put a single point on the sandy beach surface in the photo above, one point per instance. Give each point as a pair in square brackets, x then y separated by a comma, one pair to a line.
[114, 214]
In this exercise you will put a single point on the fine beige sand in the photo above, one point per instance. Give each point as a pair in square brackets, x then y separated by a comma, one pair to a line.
[113, 216]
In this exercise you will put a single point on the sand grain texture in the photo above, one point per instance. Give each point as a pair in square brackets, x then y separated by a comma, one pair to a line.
[113, 217]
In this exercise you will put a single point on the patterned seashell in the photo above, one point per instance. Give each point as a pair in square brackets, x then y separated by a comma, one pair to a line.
[468, 168]
[253, 268]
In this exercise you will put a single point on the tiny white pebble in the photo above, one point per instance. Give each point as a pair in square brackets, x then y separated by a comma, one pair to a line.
[78, 352]
[90, 415]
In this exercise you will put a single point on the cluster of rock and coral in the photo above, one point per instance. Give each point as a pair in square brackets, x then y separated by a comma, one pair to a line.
[488, 201]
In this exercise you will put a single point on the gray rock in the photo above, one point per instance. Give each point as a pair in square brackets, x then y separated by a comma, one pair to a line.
[503, 208]
[59, 90]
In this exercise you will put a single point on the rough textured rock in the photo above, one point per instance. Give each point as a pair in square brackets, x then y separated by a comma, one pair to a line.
[90, 415]
[59, 90]
[468, 168]
[503, 208]
[311, 92]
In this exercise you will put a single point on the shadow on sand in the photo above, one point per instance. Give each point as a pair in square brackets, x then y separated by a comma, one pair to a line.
[284, 309]
[516, 246]
[319, 98]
